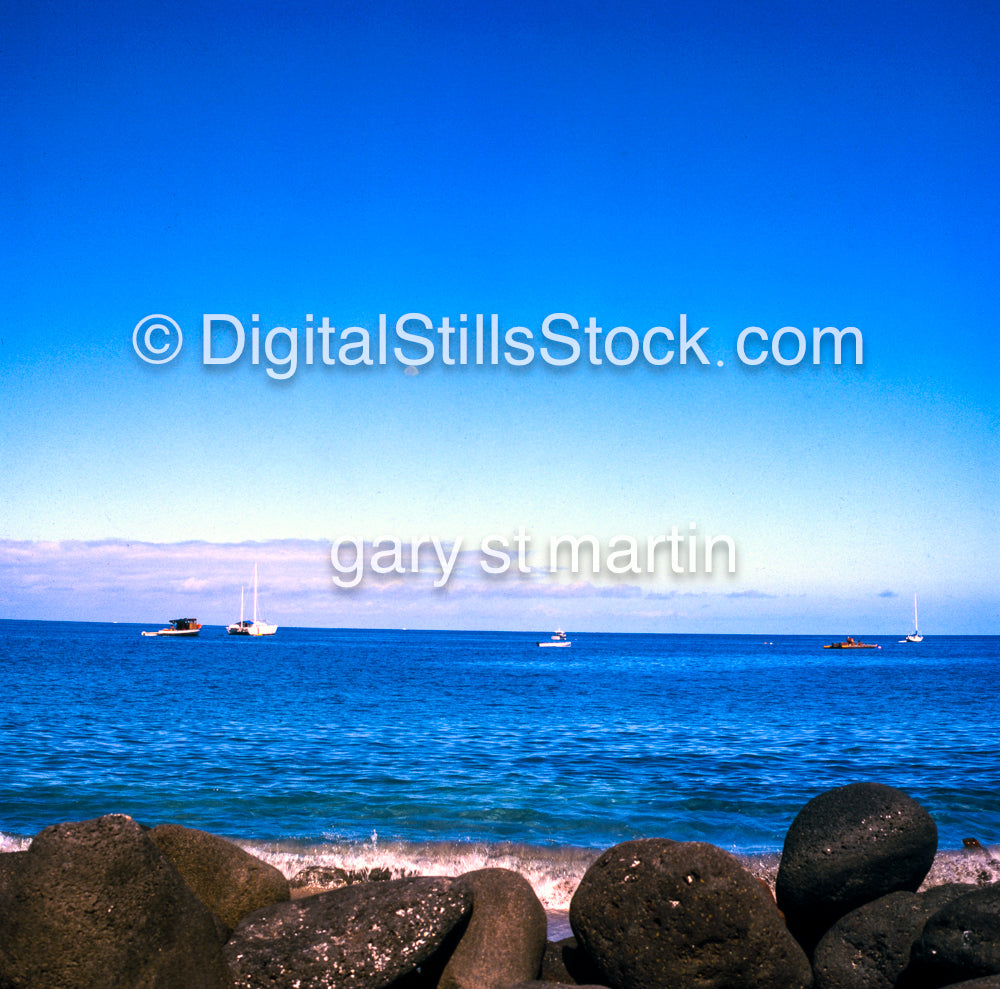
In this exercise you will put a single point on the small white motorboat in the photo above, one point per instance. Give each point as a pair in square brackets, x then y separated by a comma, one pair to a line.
[558, 639]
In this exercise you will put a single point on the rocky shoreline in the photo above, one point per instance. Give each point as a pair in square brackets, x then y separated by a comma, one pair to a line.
[852, 904]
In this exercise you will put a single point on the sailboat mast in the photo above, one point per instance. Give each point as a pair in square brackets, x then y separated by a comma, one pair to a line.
[255, 594]
[916, 624]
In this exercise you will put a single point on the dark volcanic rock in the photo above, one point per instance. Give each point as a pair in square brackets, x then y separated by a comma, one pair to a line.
[505, 937]
[941, 896]
[320, 877]
[869, 948]
[96, 904]
[961, 941]
[228, 880]
[364, 936]
[847, 847]
[566, 962]
[655, 913]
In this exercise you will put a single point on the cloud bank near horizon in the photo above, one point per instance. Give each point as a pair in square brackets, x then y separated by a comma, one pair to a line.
[134, 581]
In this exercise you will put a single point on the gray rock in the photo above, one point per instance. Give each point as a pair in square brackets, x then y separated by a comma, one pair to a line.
[961, 941]
[505, 937]
[95, 904]
[869, 948]
[655, 913]
[365, 936]
[847, 847]
[228, 880]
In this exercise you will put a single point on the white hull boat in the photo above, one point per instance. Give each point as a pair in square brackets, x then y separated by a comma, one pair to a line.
[256, 627]
[915, 635]
[558, 640]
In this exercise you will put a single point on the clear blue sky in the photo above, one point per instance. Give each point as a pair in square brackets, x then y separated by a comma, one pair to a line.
[743, 164]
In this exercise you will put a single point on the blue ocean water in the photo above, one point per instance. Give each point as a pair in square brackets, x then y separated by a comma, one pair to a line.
[322, 738]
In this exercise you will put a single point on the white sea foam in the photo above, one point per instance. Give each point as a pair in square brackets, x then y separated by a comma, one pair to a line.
[13, 843]
[554, 873]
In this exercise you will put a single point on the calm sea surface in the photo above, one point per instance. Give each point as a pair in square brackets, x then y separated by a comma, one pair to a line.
[323, 738]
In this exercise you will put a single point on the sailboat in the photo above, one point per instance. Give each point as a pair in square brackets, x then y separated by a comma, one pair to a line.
[256, 627]
[915, 636]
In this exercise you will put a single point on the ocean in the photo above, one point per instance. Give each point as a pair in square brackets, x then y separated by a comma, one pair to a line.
[438, 752]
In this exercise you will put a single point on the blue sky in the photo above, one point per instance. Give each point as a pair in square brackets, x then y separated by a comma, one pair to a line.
[745, 165]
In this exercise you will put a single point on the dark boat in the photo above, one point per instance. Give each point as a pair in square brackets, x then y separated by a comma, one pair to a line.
[184, 627]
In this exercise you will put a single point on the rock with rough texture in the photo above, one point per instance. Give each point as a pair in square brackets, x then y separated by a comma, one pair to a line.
[961, 941]
[654, 913]
[228, 880]
[323, 877]
[566, 962]
[869, 948]
[96, 904]
[358, 937]
[10, 866]
[505, 937]
[847, 847]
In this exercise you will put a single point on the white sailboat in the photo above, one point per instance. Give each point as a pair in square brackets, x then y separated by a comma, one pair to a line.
[915, 636]
[256, 627]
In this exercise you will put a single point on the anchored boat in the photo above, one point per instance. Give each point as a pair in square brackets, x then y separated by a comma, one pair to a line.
[256, 627]
[183, 627]
[915, 635]
[557, 639]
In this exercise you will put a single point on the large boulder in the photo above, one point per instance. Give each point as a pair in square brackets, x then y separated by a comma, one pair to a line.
[847, 847]
[654, 913]
[869, 948]
[961, 941]
[358, 937]
[505, 937]
[96, 904]
[228, 880]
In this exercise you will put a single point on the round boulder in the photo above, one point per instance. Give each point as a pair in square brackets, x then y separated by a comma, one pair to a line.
[869, 948]
[652, 913]
[847, 847]
[962, 940]
[228, 880]
[505, 937]
[96, 904]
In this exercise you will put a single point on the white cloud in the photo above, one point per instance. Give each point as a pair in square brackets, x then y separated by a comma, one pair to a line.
[119, 580]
